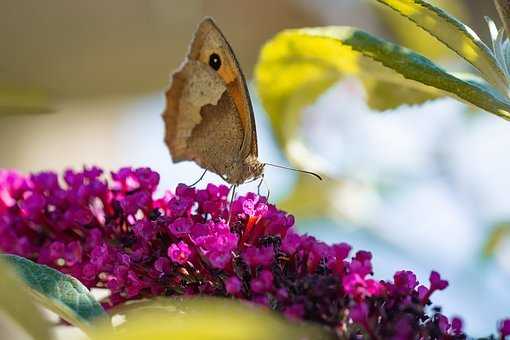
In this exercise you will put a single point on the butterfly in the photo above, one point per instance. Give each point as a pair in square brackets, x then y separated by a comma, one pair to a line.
[209, 116]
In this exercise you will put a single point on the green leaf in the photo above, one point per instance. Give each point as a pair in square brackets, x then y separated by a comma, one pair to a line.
[412, 36]
[206, 318]
[13, 102]
[298, 65]
[60, 293]
[19, 305]
[454, 34]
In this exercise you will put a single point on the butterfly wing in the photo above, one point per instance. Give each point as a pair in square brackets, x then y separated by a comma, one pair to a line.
[193, 87]
[202, 124]
[209, 118]
[210, 40]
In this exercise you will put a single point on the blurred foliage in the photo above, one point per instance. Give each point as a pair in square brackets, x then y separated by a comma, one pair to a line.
[161, 318]
[336, 199]
[320, 197]
[205, 318]
[499, 233]
[297, 66]
[18, 304]
[62, 294]
[14, 102]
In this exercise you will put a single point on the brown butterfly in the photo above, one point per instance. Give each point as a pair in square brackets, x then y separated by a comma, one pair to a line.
[208, 116]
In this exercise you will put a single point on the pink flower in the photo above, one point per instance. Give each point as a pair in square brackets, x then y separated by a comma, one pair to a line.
[291, 242]
[359, 313]
[295, 311]
[179, 253]
[360, 288]
[233, 285]
[361, 263]
[504, 328]
[115, 233]
[405, 281]
[162, 265]
[259, 256]
[436, 283]
[219, 259]
[181, 226]
[262, 283]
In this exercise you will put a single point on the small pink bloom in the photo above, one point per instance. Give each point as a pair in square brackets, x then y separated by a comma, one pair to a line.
[179, 253]
[233, 285]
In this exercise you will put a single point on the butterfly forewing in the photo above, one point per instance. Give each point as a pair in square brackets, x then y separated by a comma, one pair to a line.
[209, 117]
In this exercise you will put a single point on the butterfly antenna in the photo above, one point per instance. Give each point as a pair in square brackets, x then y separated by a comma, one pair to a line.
[297, 170]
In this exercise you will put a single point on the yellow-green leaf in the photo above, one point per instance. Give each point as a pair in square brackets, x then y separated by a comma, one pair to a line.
[205, 318]
[498, 234]
[19, 305]
[412, 36]
[325, 195]
[60, 293]
[454, 34]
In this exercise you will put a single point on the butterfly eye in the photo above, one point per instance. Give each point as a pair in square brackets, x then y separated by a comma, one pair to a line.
[215, 61]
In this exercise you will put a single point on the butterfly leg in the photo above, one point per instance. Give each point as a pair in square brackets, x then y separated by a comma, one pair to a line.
[260, 184]
[265, 184]
[232, 197]
[201, 178]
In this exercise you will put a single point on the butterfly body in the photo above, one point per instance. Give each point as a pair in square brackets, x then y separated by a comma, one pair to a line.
[209, 118]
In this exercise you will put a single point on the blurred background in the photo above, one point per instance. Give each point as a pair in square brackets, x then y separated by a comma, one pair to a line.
[423, 188]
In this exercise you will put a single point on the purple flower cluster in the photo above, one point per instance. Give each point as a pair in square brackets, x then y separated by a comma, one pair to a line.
[116, 234]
